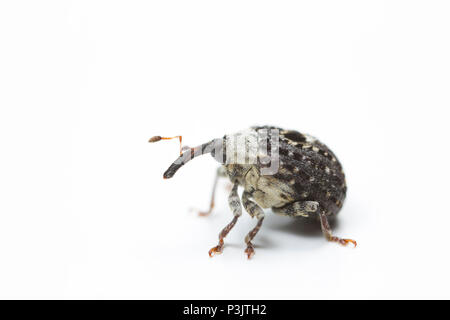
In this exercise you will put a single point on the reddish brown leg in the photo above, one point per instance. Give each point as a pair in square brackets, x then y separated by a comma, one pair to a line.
[255, 211]
[327, 231]
[235, 206]
[250, 251]
[213, 195]
[218, 249]
[159, 138]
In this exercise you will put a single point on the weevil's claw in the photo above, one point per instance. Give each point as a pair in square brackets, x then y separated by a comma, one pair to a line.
[206, 213]
[250, 251]
[214, 251]
[350, 240]
[343, 242]
[201, 213]
[217, 249]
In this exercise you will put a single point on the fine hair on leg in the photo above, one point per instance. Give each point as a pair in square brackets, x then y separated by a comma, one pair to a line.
[326, 230]
[235, 206]
[255, 211]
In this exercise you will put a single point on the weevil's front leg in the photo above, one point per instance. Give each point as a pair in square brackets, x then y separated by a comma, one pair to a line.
[235, 206]
[255, 211]
[327, 231]
[220, 173]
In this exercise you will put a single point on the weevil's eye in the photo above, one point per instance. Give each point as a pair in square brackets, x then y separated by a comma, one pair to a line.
[219, 151]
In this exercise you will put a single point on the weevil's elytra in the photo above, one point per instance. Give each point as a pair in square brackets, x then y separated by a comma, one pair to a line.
[290, 172]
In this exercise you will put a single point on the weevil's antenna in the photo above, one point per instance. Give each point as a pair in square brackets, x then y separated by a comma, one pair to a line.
[190, 154]
[159, 138]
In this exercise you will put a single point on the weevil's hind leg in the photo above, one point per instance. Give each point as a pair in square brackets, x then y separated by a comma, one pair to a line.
[327, 231]
[159, 138]
[307, 209]
[220, 173]
[235, 206]
[255, 211]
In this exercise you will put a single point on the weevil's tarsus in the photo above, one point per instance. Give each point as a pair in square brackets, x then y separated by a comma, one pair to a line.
[159, 138]
[250, 250]
[255, 211]
[328, 234]
[343, 242]
[219, 248]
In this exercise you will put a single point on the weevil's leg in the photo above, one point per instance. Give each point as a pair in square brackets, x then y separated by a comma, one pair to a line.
[327, 231]
[235, 206]
[159, 138]
[298, 209]
[219, 173]
[255, 211]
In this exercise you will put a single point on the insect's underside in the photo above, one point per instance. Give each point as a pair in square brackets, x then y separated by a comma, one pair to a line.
[309, 181]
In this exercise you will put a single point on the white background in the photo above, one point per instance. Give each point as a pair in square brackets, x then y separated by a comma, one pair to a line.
[85, 213]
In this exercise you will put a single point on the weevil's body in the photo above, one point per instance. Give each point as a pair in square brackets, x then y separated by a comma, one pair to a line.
[308, 171]
[307, 181]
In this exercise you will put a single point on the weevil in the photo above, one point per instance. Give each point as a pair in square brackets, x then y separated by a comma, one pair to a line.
[290, 172]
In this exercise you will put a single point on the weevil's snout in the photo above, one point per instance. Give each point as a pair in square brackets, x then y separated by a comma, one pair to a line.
[218, 151]
[170, 172]
[188, 154]
[177, 164]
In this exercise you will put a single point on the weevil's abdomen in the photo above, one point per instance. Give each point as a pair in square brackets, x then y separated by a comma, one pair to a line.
[312, 170]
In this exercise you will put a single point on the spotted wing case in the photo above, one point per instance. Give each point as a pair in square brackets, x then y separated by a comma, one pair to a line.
[311, 168]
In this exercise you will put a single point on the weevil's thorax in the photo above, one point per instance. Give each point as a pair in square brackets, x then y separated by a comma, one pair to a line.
[248, 154]
[240, 153]
[240, 145]
[237, 172]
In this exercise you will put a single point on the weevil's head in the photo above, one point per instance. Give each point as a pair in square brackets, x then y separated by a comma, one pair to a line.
[240, 152]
